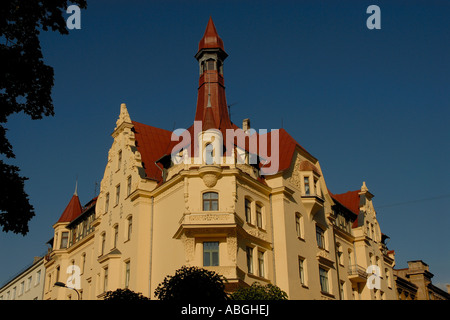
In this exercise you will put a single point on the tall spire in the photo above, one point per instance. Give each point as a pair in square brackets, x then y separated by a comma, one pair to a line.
[211, 92]
[76, 188]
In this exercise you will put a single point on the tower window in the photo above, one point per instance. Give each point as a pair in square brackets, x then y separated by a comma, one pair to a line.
[209, 154]
[210, 65]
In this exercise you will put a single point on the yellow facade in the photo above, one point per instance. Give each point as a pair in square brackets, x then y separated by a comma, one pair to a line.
[281, 228]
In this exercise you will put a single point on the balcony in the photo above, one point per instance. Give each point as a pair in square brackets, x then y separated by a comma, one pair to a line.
[357, 274]
[312, 203]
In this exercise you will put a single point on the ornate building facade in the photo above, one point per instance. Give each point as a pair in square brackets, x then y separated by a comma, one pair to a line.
[207, 198]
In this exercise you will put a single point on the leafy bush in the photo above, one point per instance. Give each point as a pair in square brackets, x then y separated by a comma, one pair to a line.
[259, 292]
[192, 283]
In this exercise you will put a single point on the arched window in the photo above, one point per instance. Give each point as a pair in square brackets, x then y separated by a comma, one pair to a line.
[299, 225]
[210, 201]
[259, 215]
[340, 253]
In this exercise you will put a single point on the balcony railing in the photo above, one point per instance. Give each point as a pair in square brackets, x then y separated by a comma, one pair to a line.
[357, 273]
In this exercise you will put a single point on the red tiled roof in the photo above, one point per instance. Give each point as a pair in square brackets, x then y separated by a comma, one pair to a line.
[350, 200]
[72, 210]
[152, 143]
[308, 166]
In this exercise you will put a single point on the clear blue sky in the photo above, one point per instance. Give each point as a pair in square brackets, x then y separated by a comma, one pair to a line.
[371, 105]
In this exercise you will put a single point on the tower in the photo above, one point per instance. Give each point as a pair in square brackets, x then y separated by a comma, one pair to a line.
[211, 101]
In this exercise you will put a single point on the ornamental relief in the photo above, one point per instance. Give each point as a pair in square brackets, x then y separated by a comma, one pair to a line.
[296, 178]
[209, 217]
[257, 233]
[209, 179]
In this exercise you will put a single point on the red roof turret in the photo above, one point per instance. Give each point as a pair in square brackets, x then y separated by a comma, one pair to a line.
[211, 38]
[72, 210]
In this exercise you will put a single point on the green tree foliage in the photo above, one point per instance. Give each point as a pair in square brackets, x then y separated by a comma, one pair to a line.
[192, 284]
[124, 295]
[25, 86]
[259, 292]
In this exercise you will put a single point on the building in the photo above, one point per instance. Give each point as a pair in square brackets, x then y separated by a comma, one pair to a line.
[27, 284]
[251, 206]
[414, 283]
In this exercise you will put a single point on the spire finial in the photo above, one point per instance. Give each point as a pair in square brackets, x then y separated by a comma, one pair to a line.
[364, 187]
[76, 187]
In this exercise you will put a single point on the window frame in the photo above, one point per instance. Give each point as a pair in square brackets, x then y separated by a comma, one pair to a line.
[210, 201]
[248, 210]
[322, 243]
[207, 251]
[324, 276]
[249, 257]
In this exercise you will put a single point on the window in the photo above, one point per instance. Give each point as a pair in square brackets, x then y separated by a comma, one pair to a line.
[57, 273]
[29, 281]
[117, 194]
[259, 216]
[388, 280]
[248, 211]
[83, 262]
[298, 225]
[320, 237]
[127, 274]
[341, 288]
[210, 201]
[22, 285]
[249, 251]
[116, 235]
[301, 270]
[64, 240]
[210, 254]
[261, 264]
[105, 280]
[350, 260]
[130, 227]
[209, 154]
[102, 250]
[38, 277]
[119, 160]
[210, 64]
[340, 254]
[129, 186]
[49, 282]
[307, 190]
[323, 274]
[107, 202]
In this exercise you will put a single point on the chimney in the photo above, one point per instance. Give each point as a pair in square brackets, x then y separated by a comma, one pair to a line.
[245, 124]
